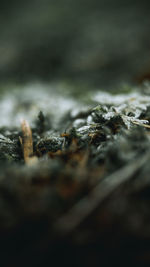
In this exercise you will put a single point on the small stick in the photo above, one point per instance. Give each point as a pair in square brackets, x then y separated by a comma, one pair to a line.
[27, 143]
[141, 124]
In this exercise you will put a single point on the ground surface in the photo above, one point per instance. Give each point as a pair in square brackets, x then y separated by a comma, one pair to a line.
[83, 192]
[74, 133]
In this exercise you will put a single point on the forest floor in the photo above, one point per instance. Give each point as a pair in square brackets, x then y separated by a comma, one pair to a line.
[74, 133]
[74, 180]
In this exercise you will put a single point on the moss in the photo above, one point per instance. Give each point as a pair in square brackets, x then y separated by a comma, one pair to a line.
[91, 172]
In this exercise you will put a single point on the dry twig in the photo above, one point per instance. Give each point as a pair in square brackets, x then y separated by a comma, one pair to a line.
[141, 124]
[27, 143]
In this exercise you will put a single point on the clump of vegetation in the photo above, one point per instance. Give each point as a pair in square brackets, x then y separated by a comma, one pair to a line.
[79, 185]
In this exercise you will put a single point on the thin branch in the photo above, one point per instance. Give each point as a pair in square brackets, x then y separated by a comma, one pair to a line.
[27, 143]
[141, 124]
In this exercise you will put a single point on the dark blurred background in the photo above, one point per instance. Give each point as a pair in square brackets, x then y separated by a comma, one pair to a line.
[100, 42]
